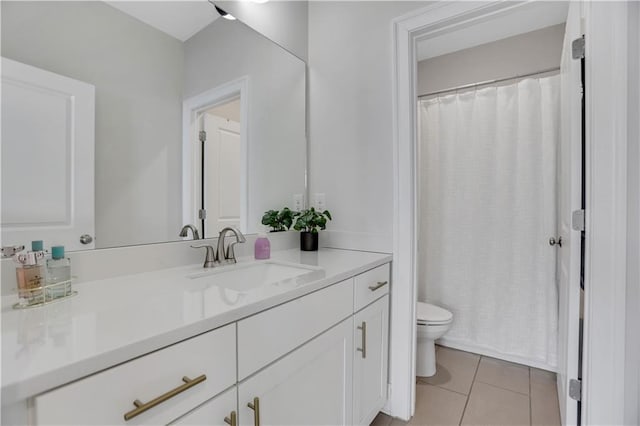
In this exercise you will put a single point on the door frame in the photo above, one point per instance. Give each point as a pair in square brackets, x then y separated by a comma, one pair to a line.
[606, 173]
[191, 107]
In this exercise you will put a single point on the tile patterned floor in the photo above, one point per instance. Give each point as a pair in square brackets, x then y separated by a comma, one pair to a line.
[473, 390]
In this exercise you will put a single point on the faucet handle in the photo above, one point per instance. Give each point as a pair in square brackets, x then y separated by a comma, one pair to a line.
[230, 255]
[210, 258]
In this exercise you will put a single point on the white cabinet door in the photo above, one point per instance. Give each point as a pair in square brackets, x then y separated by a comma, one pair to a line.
[47, 157]
[213, 412]
[371, 328]
[310, 386]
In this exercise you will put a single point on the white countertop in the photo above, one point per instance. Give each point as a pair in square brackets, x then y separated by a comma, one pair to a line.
[113, 320]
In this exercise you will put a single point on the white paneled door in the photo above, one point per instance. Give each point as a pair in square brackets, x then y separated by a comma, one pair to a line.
[569, 200]
[47, 157]
[222, 173]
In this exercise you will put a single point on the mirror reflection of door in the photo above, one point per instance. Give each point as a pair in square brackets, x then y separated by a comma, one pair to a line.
[220, 197]
[47, 158]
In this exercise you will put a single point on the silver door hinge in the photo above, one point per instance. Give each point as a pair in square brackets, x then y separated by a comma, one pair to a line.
[577, 220]
[202, 136]
[575, 389]
[577, 48]
[202, 214]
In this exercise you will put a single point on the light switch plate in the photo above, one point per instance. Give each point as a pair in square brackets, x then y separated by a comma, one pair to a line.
[298, 202]
[320, 202]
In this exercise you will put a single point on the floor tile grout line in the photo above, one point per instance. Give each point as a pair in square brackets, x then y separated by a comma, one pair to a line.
[443, 388]
[466, 403]
[503, 388]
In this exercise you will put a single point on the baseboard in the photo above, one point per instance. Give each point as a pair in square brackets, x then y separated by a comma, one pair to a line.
[480, 350]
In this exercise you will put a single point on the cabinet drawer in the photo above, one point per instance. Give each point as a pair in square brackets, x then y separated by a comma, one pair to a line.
[105, 397]
[265, 337]
[371, 285]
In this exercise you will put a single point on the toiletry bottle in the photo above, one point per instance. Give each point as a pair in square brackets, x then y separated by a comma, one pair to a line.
[30, 277]
[37, 245]
[58, 274]
[262, 247]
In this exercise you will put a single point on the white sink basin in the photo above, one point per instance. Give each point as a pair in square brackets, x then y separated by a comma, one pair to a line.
[247, 276]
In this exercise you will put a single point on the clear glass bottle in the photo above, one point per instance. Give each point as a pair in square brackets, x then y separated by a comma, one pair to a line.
[58, 274]
[30, 277]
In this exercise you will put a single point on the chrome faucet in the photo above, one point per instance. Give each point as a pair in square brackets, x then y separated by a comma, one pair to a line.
[185, 232]
[219, 256]
[229, 255]
[210, 258]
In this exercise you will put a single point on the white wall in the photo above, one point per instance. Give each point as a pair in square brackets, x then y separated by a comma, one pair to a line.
[137, 71]
[350, 126]
[276, 124]
[525, 53]
[284, 22]
[632, 356]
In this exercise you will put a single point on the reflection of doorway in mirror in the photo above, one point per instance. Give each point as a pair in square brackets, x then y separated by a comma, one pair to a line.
[221, 167]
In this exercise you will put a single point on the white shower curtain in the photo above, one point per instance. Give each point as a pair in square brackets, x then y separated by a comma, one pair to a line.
[487, 210]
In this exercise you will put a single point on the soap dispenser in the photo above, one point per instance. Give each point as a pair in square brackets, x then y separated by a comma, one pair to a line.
[262, 247]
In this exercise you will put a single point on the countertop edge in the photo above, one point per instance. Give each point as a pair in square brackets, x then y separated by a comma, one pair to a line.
[21, 390]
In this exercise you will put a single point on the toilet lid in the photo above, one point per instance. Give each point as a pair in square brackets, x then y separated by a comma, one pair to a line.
[432, 313]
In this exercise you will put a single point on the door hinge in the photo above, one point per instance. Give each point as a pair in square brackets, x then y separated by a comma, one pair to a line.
[202, 136]
[577, 220]
[202, 214]
[577, 48]
[575, 389]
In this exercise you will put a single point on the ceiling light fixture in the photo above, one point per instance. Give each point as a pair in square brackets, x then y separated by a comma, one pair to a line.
[222, 13]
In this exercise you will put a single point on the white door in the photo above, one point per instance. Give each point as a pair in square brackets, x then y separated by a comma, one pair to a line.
[310, 386]
[47, 157]
[222, 174]
[371, 328]
[570, 194]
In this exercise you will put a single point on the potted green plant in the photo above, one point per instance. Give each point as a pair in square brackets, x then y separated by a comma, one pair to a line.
[278, 220]
[309, 222]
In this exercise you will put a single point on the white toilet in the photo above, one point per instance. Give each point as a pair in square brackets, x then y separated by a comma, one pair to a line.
[433, 323]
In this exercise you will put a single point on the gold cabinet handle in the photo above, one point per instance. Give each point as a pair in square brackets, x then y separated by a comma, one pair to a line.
[232, 419]
[377, 286]
[363, 349]
[255, 406]
[142, 407]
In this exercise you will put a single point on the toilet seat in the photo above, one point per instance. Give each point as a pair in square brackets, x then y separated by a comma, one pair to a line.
[432, 314]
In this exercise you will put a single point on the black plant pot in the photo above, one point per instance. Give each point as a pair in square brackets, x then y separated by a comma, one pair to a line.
[309, 241]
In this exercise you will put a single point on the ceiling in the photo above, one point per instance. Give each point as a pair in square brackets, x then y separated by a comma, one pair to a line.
[524, 19]
[179, 19]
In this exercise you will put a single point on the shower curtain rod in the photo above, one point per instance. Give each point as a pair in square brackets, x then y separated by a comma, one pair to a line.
[484, 83]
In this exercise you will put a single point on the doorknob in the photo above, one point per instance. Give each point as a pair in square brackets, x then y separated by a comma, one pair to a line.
[553, 241]
[86, 239]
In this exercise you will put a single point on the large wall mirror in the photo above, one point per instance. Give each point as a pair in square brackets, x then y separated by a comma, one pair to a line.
[120, 126]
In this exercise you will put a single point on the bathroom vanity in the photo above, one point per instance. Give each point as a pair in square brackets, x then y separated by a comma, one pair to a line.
[299, 339]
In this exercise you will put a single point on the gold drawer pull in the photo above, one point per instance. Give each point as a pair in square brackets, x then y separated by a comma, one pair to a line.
[377, 286]
[363, 349]
[255, 406]
[232, 419]
[142, 407]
